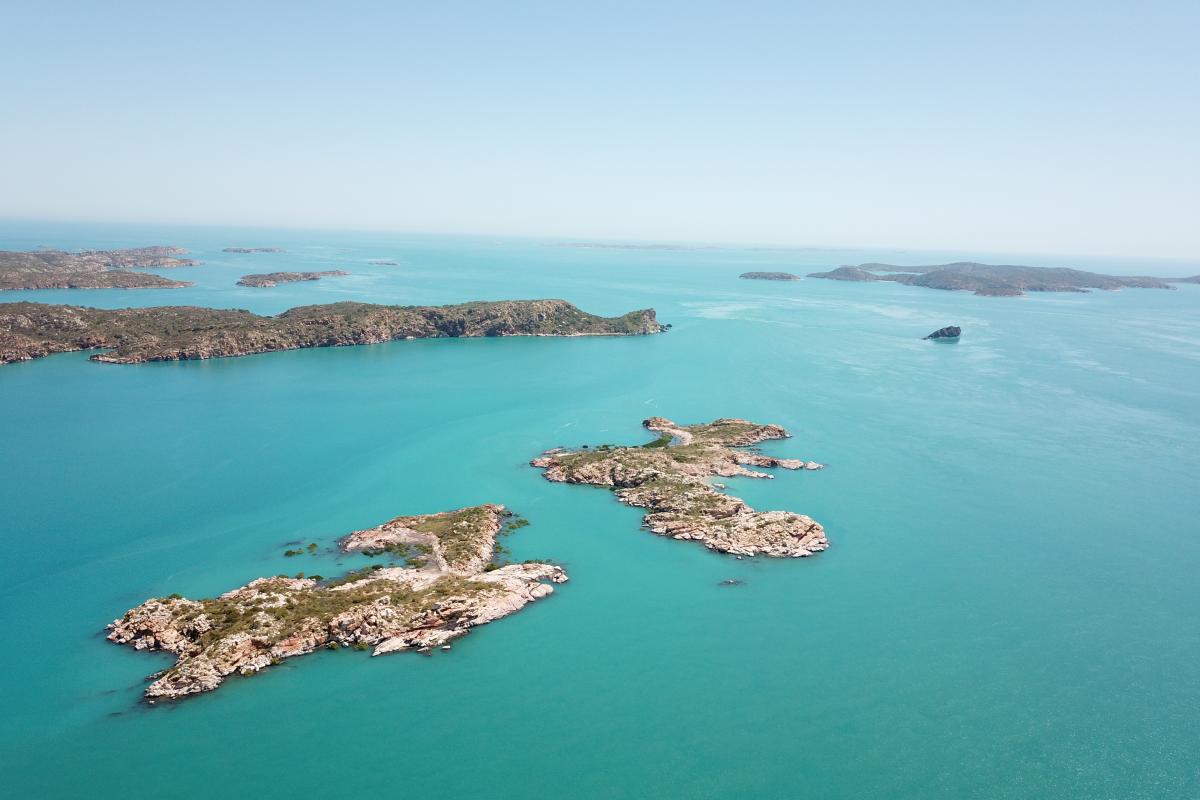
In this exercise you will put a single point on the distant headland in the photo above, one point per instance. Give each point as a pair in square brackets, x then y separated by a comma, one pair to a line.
[269, 279]
[90, 269]
[175, 333]
[769, 276]
[453, 583]
[992, 280]
[669, 477]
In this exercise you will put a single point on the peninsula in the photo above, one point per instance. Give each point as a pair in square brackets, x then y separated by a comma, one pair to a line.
[769, 276]
[175, 333]
[669, 477]
[274, 278]
[383, 609]
[992, 280]
[90, 269]
[253, 250]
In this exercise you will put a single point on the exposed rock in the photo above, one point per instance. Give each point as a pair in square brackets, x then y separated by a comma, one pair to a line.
[459, 541]
[385, 608]
[731, 582]
[668, 477]
[949, 332]
[269, 279]
[90, 269]
[769, 276]
[992, 280]
[174, 333]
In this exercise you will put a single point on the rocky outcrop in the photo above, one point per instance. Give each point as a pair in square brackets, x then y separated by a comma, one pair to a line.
[949, 332]
[992, 280]
[385, 609]
[460, 541]
[269, 279]
[174, 333]
[769, 276]
[670, 478]
[90, 269]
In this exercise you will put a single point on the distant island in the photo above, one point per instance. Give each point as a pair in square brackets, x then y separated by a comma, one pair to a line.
[273, 278]
[769, 276]
[454, 583]
[253, 250]
[1193, 279]
[669, 477]
[622, 246]
[174, 333]
[90, 269]
[379, 262]
[991, 280]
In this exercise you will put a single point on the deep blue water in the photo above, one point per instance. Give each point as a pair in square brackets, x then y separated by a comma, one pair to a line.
[1009, 607]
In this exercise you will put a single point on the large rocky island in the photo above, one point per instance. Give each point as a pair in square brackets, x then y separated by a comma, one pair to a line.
[269, 279]
[992, 280]
[90, 269]
[174, 333]
[670, 477]
[382, 609]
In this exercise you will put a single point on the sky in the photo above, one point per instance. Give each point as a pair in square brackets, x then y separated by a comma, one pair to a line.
[1047, 127]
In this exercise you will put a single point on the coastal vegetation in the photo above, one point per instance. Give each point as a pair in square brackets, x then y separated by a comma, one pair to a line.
[269, 279]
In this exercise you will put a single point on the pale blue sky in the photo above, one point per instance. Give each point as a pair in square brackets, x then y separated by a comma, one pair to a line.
[1043, 126]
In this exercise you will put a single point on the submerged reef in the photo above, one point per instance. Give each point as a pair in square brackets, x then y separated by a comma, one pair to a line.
[382, 609]
[669, 477]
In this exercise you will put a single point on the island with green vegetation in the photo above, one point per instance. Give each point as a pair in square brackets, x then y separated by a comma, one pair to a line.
[384, 609]
[992, 280]
[670, 477]
[176, 333]
[269, 279]
[90, 269]
[769, 276]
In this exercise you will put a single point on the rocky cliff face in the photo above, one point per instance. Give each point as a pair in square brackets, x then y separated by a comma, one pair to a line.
[385, 609]
[669, 478]
[173, 333]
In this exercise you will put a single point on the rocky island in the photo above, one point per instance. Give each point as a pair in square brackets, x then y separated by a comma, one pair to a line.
[382, 609]
[992, 280]
[669, 477]
[270, 279]
[90, 269]
[1192, 279]
[769, 276]
[175, 333]
[948, 332]
[253, 250]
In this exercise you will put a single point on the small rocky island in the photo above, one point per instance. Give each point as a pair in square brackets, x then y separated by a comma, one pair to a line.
[670, 477]
[253, 250]
[382, 609]
[270, 279]
[992, 280]
[90, 269]
[176, 333]
[948, 332]
[769, 276]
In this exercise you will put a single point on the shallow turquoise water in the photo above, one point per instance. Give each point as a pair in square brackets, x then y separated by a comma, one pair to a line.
[1009, 608]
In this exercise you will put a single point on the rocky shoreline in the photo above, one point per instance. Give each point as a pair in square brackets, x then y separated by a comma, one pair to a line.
[269, 279]
[90, 269]
[382, 609]
[176, 333]
[669, 477]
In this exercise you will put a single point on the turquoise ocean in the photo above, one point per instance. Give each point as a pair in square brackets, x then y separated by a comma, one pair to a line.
[1010, 606]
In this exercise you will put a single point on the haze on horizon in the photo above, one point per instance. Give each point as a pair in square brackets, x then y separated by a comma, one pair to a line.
[1066, 127]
